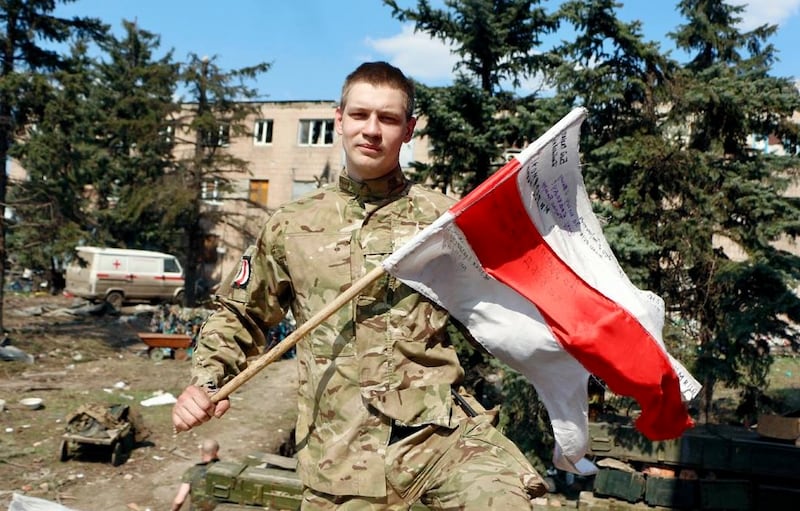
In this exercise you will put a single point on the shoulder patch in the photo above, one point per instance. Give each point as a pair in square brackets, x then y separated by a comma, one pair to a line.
[242, 277]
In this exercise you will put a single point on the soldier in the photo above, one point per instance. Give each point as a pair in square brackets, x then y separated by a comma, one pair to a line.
[380, 422]
[193, 478]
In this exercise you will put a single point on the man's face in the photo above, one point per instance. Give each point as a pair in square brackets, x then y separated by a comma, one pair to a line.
[373, 127]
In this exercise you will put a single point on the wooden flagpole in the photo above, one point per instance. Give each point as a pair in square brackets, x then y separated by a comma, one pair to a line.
[290, 340]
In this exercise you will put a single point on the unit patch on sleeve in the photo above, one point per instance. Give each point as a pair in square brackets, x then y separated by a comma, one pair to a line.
[243, 276]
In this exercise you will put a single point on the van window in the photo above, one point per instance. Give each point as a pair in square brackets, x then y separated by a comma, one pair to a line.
[146, 265]
[171, 265]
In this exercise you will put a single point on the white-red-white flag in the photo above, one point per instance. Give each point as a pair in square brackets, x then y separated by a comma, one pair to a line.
[523, 263]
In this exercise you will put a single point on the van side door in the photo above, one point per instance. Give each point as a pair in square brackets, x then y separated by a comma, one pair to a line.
[112, 273]
[146, 277]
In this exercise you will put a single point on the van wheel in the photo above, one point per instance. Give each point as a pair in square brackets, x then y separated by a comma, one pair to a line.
[115, 299]
[179, 298]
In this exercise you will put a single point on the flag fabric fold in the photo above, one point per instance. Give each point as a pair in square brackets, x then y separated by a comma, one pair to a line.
[522, 262]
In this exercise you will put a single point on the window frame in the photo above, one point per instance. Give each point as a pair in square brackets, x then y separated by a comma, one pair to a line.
[306, 129]
[222, 138]
[269, 129]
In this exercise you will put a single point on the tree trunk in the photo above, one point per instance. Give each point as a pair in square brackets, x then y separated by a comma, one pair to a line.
[194, 241]
[5, 144]
[6, 134]
[3, 186]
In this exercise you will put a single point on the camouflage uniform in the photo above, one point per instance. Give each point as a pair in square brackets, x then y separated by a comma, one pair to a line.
[382, 361]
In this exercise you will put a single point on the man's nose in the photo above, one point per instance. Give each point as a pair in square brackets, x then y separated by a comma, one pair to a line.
[372, 126]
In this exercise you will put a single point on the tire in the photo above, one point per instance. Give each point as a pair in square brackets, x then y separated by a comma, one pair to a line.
[129, 442]
[118, 454]
[115, 299]
[178, 298]
[63, 451]
[157, 354]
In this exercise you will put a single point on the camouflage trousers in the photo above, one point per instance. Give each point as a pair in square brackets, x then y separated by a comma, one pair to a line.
[473, 467]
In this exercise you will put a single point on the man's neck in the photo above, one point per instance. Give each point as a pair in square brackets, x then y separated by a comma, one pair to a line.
[390, 184]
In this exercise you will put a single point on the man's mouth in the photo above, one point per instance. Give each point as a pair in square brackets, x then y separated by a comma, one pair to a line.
[369, 148]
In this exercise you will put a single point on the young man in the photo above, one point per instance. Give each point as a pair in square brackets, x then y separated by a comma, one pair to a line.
[194, 477]
[379, 423]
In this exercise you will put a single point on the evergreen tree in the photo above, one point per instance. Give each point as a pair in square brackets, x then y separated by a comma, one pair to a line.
[203, 167]
[137, 92]
[623, 81]
[99, 144]
[666, 154]
[732, 192]
[58, 155]
[469, 124]
[626, 83]
[24, 25]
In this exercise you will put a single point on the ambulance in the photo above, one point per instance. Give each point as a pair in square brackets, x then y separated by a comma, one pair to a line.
[119, 275]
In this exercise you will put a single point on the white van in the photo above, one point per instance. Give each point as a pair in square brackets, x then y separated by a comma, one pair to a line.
[117, 275]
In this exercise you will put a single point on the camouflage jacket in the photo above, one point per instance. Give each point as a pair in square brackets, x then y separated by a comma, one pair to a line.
[384, 357]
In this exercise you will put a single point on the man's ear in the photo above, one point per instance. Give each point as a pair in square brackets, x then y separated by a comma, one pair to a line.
[410, 129]
[337, 120]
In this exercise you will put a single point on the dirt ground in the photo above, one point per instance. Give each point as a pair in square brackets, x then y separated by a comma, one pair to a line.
[76, 357]
[98, 358]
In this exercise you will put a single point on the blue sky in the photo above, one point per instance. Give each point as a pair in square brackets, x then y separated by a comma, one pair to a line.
[313, 44]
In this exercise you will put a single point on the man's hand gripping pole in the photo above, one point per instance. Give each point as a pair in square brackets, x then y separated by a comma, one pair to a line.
[289, 341]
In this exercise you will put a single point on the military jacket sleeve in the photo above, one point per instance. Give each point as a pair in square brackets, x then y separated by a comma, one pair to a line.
[253, 297]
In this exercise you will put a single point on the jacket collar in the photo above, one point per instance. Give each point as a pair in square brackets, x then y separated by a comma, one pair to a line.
[392, 184]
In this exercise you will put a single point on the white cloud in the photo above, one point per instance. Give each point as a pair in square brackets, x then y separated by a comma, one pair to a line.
[772, 12]
[419, 56]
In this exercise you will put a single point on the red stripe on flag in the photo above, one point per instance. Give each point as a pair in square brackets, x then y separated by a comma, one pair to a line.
[507, 171]
[601, 335]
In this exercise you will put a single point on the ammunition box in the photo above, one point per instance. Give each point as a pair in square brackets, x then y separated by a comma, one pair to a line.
[619, 484]
[243, 486]
[729, 494]
[777, 497]
[626, 443]
[673, 493]
[221, 482]
[276, 488]
[777, 460]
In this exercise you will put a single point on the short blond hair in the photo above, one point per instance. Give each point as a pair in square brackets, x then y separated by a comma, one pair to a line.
[380, 73]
